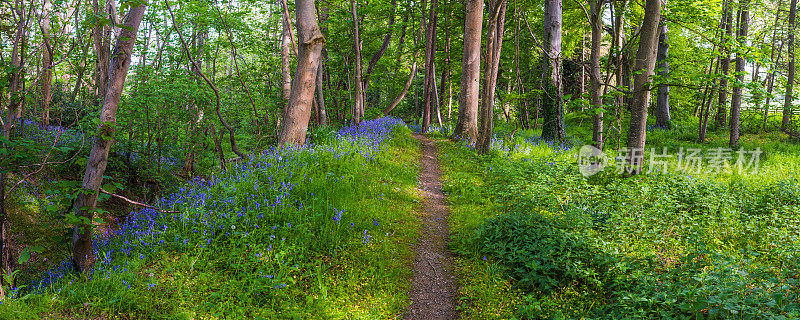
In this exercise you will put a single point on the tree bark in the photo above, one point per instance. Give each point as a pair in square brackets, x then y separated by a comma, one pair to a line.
[83, 256]
[404, 92]
[643, 70]
[359, 96]
[467, 124]
[286, 50]
[789, 98]
[725, 62]
[494, 44]
[663, 119]
[311, 41]
[384, 45]
[736, 99]
[47, 60]
[552, 103]
[102, 47]
[430, 58]
[596, 15]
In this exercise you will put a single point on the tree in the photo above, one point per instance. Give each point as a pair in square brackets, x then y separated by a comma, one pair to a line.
[47, 60]
[494, 45]
[725, 62]
[83, 256]
[643, 70]
[552, 102]
[430, 70]
[663, 119]
[311, 41]
[287, 47]
[467, 123]
[787, 102]
[736, 99]
[358, 106]
[596, 23]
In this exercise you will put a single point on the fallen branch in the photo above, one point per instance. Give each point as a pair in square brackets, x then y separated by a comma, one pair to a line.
[135, 203]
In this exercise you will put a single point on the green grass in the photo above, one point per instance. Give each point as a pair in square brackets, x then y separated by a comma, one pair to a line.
[318, 268]
[657, 246]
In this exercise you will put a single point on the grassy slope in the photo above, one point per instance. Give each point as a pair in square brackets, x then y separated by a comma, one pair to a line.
[262, 242]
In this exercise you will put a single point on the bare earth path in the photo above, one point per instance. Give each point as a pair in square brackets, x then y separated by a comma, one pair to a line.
[433, 289]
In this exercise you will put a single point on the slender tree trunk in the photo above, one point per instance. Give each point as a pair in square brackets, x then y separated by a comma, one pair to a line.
[643, 70]
[384, 45]
[552, 102]
[663, 119]
[596, 15]
[467, 124]
[430, 58]
[404, 91]
[736, 99]
[358, 106]
[83, 256]
[47, 60]
[789, 98]
[494, 44]
[725, 63]
[311, 41]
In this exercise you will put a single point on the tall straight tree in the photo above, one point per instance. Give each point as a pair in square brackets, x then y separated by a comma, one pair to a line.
[789, 98]
[552, 102]
[736, 99]
[47, 60]
[494, 45]
[358, 105]
[596, 22]
[430, 70]
[468, 99]
[311, 41]
[663, 119]
[725, 62]
[83, 256]
[643, 71]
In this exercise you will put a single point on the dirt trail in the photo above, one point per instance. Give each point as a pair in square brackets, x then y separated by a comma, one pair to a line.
[433, 289]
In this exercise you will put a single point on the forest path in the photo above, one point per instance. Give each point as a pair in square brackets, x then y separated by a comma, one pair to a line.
[433, 288]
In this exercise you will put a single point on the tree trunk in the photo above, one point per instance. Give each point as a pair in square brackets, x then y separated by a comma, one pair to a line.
[494, 44]
[596, 9]
[404, 92]
[430, 58]
[467, 124]
[736, 99]
[286, 50]
[663, 119]
[311, 41]
[83, 256]
[47, 60]
[102, 48]
[358, 106]
[789, 98]
[725, 63]
[643, 70]
[552, 103]
[384, 45]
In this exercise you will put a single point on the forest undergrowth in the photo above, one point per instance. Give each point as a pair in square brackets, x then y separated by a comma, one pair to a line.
[535, 239]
